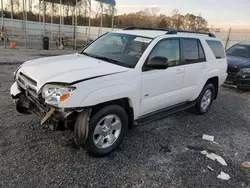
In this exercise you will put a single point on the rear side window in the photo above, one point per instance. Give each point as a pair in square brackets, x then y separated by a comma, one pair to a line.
[217, 49]
[193, 51]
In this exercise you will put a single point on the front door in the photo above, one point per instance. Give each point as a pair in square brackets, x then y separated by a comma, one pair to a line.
[163, 88]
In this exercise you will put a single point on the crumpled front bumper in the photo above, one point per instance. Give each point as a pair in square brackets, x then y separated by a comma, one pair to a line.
[26, 103]
[79, 117]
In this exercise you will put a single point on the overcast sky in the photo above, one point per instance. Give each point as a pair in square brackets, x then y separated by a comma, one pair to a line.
[219, 13]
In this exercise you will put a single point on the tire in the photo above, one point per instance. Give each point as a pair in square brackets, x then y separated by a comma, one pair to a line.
[200, 107]
[109, 139]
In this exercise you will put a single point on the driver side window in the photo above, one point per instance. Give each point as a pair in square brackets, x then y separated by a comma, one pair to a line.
[169, 49]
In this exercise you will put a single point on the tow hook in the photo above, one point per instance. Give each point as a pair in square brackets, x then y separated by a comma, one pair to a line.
[82, 127]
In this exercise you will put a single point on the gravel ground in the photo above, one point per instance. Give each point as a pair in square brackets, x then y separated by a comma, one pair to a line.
[20, 55]
[152, 155]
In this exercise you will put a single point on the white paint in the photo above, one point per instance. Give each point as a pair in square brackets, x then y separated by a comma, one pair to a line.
[14, 90]
[146, 91]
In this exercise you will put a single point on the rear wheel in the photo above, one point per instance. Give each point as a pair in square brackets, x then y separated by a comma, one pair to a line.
[205, 99]
[107, 129]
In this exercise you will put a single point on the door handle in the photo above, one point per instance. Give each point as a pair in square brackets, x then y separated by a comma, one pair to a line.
[203, 66]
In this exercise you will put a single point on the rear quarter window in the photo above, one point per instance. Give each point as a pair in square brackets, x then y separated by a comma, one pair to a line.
[217, 48]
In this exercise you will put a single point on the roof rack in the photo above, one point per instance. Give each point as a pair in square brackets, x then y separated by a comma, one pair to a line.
[170, 31]
[145, 28]
[187, 31]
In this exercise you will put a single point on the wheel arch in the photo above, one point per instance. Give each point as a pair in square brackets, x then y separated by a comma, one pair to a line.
[215, 81]
[126, 103]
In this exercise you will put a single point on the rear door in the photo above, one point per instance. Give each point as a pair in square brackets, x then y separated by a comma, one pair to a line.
[195, 65]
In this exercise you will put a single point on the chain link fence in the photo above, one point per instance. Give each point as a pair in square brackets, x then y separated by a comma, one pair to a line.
[78, 36]
[72, 36]
[230, 37]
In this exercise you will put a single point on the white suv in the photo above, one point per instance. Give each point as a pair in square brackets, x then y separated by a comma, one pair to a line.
[123, 78]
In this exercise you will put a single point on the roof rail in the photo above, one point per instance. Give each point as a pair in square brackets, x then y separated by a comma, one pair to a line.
[145, 28]
[187, 31]
[169, 31]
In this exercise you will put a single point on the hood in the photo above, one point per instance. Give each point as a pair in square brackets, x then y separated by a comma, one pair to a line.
[67, 69]
[238, 62]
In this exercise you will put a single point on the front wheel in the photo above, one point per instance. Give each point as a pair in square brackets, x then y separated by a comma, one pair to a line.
[205, 99]
[107, 129]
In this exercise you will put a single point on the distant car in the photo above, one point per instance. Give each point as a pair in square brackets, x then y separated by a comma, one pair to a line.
[238, 57]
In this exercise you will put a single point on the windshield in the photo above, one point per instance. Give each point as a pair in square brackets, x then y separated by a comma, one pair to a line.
[239, 51]
[121, 49]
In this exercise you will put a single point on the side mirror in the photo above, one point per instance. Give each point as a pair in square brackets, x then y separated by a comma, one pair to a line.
[158, 63]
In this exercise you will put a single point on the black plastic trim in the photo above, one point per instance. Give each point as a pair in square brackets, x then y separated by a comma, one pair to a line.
[187, 31]
[170, 31]
[164, 112]
[145, 28]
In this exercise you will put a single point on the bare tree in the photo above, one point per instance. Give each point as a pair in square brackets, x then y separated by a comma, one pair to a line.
[177, 19]
[163, 21]
[16, 4]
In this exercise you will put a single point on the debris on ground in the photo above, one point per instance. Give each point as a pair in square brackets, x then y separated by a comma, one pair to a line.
[166, 148]
[210, 168]
[214, 157]
[199, 148]
[223, 176]
[215, 142]
[208, 137]
[245, 165]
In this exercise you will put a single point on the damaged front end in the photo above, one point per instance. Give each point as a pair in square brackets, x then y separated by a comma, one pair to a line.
[28, 102]
[45, 105]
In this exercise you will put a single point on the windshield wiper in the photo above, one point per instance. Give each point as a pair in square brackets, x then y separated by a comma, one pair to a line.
[87, 54]
[102, 58]
[107, 59]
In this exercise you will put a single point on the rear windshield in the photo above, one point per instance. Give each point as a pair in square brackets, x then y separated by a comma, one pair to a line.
[239, 51]
[217, 48]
